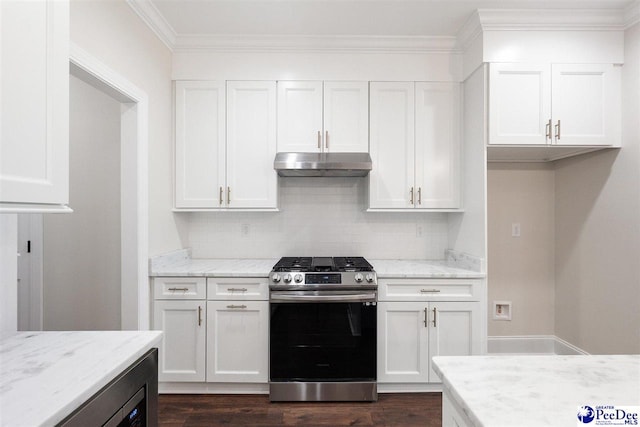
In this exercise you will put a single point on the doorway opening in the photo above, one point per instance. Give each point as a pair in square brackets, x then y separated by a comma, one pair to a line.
[130, 207]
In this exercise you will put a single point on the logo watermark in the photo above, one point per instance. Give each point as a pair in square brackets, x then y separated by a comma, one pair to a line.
[608, 415]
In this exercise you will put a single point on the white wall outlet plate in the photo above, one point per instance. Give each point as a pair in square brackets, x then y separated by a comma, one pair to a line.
[502, 310]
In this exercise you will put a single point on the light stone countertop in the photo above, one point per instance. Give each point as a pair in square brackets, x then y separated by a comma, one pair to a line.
[179, 263]
[45, 376]
[545, 390]
[215, 268]
[422, 269]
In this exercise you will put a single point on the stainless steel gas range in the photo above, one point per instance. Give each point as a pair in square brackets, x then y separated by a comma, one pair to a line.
[322, 333]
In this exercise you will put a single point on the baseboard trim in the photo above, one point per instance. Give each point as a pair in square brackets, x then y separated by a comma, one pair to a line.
[531, 344]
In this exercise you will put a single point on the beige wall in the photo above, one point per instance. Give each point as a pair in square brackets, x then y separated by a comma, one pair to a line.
[113, 33]
[521, 269]
[81, 259]
[598, 234]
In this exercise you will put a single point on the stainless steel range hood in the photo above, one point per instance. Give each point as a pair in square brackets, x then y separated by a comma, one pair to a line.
[322, 164]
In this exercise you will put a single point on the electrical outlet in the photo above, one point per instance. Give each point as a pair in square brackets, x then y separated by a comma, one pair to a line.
[244, 229]
[515, 229]
[502, 310]
[418, 230]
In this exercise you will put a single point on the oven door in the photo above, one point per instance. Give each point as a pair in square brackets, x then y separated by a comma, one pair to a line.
[323, 336]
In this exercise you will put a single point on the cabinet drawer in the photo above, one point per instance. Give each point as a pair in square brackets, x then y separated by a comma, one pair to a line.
[243, 288]
[179, 288]
[428, 290]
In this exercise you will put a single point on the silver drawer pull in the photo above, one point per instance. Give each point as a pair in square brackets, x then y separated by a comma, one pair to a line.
[179, 289]
[429, 291]
[237, 289]
[237, 306]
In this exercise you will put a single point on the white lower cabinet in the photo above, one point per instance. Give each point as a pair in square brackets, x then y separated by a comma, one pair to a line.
[216, 330]
[182, 352]
[410, 333]
[237, 341]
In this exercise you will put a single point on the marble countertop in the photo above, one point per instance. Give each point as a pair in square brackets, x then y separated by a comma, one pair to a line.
[180, 263]
[394, 268]
[543, 390]
[45, 376]
[216, 268]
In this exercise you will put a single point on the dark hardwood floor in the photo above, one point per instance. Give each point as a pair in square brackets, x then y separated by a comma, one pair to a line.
[402, 409]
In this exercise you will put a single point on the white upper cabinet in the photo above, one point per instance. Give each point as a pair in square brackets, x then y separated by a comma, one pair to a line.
[323, 117]
[34, 97]
[346, 117]
[200, 144]
[251, 145]
[437, 145]
[392, 144]
[225, 145]
[559, 104]
[415, 145]
[586, 104]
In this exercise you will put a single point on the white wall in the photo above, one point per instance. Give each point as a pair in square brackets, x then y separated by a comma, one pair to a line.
[467, 231]
[521, 269]
[8, 272]
[319, 217]
[113, 33]
[598, 233]
[82, 250]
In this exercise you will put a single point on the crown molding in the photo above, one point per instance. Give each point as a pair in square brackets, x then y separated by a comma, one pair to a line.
[552, 19]
[151, 16]
[315, 43]
[632, 14]
[471, 30]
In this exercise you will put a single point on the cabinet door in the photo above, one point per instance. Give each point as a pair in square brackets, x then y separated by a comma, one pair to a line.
[454, 330]
[586, 104]
[437, 152]
[519, 104]
[299, 116]
[237, 341]
[391, 182]
[251, 145]
[34, 102]
[346, 117]
[182, 352]
[200, 144]
[402, 342]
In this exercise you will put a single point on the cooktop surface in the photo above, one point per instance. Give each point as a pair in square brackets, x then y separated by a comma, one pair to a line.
[322, 264]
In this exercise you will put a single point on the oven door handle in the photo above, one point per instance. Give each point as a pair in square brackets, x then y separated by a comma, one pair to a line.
[327, 296]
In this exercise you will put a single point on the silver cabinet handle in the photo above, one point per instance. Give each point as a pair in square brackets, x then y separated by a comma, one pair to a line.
[179, 289]
[429, 291]
[425, 316]
[434, 316]
[558, 130]
[228, 195]
[199, 316]
[326, 139]
[419, 195]
[237, 289]
[547, 133]
[236, 306]
[319, 139]
[411, 196]
[221, 196]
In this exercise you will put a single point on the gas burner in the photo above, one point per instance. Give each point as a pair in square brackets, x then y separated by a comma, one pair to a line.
[322, 273]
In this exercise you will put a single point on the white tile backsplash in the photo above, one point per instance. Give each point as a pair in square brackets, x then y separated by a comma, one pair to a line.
[319, 217]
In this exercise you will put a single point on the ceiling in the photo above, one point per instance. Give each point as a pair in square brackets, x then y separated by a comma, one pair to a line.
[341, 17]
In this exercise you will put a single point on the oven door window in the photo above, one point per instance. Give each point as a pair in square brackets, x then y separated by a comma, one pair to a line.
[323, 341]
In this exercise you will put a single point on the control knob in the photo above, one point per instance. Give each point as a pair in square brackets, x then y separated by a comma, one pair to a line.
[275, 277]
[359, 277]
[287, 278]
[297, 278]
[369, 277]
